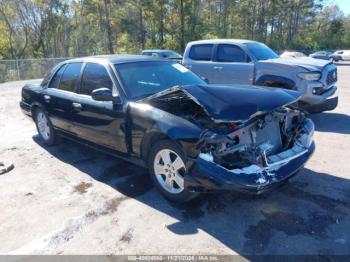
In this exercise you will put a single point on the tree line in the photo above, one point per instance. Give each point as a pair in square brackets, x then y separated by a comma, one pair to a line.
[71, 28]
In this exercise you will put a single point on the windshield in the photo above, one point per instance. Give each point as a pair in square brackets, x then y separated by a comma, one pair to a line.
[142, 79]
[260, 51]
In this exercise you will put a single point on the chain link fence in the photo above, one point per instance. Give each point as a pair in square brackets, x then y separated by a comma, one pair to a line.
[23, 69]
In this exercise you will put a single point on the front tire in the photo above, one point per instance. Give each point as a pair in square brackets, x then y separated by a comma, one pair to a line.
[44, 127]
[167, 169]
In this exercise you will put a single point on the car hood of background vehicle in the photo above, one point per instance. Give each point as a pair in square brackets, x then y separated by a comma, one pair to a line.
[309, 63]
[234, 103]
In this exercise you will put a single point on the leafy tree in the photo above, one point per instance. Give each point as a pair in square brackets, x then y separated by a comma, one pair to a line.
[64, 28]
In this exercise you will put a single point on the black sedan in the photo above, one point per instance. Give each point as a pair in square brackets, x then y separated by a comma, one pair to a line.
[192, 137]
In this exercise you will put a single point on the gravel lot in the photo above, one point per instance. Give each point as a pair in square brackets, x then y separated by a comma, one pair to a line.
[69, 199]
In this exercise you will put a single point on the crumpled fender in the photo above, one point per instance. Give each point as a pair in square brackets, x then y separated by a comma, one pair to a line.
[151, 121]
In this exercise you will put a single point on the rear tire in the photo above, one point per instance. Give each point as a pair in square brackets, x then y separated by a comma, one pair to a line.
[167, 169]
[44, 127]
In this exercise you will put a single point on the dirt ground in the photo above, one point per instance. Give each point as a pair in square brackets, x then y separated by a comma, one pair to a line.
[69, 199]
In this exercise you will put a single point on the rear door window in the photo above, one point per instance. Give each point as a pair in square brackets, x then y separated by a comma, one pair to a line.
[49, 75]
[231, 53]
[201, 52]
[56, 78]
[95, 76]
[70, 77]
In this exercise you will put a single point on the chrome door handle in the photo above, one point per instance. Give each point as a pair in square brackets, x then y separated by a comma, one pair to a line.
[47, 98]
[77, 105]
[218, 67]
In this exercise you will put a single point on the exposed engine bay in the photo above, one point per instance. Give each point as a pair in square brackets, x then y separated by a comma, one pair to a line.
[257, 139]
[237, 144]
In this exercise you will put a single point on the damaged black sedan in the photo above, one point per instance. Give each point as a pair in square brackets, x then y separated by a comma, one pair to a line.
[192, 137]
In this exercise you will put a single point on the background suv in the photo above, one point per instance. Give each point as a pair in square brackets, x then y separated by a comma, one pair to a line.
[231, 61]
[341, 55]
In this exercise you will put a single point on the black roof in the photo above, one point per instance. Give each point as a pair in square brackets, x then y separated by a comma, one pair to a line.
[117, 59]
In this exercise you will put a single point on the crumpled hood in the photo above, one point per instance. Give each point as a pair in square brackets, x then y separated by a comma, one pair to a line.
[309, 63]
[234, 103]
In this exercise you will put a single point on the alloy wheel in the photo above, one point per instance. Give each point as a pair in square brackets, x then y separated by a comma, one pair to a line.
[169, 169]
[43, 126]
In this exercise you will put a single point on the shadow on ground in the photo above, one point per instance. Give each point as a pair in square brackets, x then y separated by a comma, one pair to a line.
[308, 215]
[331, 122]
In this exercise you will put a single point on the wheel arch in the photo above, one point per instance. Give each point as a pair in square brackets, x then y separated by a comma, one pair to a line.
[158, 125]
[187, 145]
[275, 81]
[149, 140]
[35, 106]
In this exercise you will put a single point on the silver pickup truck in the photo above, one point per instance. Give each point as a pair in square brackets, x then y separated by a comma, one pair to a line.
[245, 62]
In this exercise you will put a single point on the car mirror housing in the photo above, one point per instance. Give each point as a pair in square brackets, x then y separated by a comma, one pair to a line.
[206, 80]
[104, 94]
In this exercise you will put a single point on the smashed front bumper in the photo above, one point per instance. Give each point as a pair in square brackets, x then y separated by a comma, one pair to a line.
[206, 175]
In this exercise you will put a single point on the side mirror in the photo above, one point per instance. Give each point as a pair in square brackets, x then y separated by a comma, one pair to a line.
[206, 80]
[104, 94]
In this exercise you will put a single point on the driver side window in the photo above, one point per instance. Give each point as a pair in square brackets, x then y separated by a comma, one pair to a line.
[94, 76]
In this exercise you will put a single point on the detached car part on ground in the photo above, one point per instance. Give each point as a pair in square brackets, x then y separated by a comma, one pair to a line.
[193, 137]
[237, 61]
